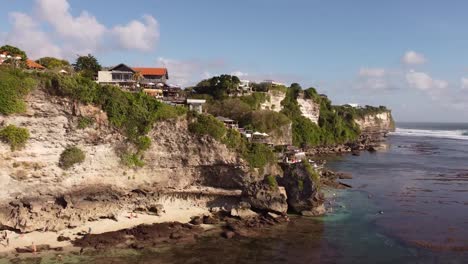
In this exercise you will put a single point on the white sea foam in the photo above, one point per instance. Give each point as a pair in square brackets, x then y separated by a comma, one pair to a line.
[451, 134]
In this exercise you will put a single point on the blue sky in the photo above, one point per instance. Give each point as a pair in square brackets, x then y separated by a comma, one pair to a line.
[409, 55]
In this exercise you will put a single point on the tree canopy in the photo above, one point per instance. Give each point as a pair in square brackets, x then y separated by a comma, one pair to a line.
[219, 87]
[53, 63]
[88, 66]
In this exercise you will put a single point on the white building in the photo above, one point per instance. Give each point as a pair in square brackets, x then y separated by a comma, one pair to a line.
[196, 104]
[245, 85]
[273, 83]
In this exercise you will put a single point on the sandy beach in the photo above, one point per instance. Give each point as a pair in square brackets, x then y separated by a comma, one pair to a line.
[178, 214]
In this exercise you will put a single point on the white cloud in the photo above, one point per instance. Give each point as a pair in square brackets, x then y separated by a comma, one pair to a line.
[464, 83]
[413, 58]
[189, 72]
[239, 74]
[376, 79]
[26, 33]
[138, 35]
[84, 29]
[372, 72]
[423, 81]
[53, 25]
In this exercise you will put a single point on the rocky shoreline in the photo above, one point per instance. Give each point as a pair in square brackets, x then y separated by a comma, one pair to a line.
[152, 226]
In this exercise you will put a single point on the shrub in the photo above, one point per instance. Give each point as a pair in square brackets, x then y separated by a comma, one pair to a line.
[266, 121]
[208, 125]
[85, 122]
[132, 160]
[271, 180]
[14, 86]
[143, 143]
[258, 155]
[254, 100]
[71, 156]
[234, 140]
[233, 108]
[16, 137]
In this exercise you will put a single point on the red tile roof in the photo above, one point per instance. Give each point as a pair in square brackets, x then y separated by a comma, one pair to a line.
[34, 65]
[151, 71]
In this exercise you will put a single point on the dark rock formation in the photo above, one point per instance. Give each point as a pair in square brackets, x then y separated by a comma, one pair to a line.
[301, 187]
[264, 197]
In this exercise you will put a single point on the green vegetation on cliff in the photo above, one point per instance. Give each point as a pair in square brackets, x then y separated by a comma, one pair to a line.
[335, 126]
[219, 87]
[257, 155]
[85, 122]
[15, 136]
[245, 109]
[14, 86]
[133, 113]
[53, 63]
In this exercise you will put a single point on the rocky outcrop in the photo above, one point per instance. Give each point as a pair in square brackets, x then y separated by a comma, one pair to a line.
[274, 99]
[309, 108]
[374, 127]
[263, 197]
[302, 189]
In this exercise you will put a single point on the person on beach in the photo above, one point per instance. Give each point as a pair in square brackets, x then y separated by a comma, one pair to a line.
[89, 230]
[34, 249]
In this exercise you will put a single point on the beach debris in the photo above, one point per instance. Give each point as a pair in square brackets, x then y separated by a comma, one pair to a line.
[228, 234]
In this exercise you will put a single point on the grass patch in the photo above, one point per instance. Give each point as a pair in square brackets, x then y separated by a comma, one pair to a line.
[15, 136]
[71, 156]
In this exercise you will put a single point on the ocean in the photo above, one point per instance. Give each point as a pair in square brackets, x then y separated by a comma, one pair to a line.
[408, 204]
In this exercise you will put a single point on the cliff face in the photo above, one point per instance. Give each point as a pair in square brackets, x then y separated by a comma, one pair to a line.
[181, 170]
[309, 108]
[375, 127]
[274, 100]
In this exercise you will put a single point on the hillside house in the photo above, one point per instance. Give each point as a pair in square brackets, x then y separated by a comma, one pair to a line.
[120, 75]
[4, 56]
[152, 76]
[229, 123]
[32, 65]
[126, 77]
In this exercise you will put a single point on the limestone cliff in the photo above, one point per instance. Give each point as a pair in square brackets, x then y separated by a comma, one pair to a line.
[376, 126]
[309, 108]
[182, 170]
[274, 99]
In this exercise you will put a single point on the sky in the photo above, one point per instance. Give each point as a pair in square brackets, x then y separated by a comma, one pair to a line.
[411, 56]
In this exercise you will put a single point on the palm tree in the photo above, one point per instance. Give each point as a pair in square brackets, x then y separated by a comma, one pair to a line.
[137, 76]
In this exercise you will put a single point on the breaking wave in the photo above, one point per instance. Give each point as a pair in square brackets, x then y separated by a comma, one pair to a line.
[451, 134]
